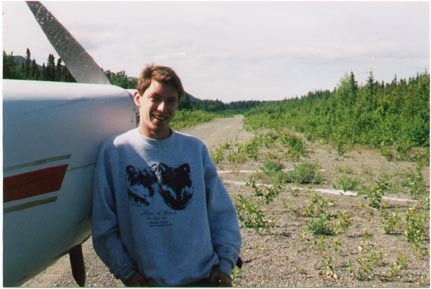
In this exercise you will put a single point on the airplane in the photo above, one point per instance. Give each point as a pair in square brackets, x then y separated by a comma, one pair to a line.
[51, 135]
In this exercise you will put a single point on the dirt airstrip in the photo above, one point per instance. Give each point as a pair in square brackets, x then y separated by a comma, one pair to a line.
[282, 253]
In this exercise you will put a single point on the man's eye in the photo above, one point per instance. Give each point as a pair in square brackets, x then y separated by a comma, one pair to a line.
[156, 99]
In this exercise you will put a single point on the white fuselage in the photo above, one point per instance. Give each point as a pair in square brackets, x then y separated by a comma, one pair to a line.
[51, 135]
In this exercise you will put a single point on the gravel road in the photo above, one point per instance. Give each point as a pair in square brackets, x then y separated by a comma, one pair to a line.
[59, 275]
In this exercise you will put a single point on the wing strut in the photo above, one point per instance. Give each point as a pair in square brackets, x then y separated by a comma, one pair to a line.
[77, 264]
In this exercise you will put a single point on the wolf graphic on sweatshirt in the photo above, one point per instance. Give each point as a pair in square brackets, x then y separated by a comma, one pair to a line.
[173, 184]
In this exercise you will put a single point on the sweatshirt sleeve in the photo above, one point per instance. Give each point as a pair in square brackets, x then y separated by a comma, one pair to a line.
[225, 231]
[105, 229]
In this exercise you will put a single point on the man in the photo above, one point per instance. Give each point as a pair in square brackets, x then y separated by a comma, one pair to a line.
[161, 215]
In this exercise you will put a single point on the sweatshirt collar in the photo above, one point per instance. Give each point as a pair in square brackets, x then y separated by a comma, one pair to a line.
[154, 142]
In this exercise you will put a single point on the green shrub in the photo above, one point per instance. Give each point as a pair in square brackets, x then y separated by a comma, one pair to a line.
[375, 193]
[305, 173]
[346, 183]
[320, 225]
[274, 170]
[265, 193]
[296, 147]
[415, 184]
[391, 221]
[249, 214]
[415, 230]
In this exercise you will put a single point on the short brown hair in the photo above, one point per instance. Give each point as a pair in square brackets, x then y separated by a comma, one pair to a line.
[162, 74]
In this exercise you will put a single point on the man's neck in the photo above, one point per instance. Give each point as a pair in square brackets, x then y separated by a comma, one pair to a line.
[157, 135]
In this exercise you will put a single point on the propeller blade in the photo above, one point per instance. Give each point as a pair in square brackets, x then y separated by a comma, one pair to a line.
[80, 64]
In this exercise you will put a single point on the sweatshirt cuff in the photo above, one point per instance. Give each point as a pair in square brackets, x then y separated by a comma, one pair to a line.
[225, 266]
[126, 277]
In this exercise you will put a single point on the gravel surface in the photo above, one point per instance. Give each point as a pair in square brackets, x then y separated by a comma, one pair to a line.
[282, 253]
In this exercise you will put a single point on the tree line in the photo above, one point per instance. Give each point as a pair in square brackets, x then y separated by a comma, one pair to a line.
[19, 67]
[378, 114]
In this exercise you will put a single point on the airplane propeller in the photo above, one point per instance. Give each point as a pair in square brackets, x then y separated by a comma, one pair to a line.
[80, 64]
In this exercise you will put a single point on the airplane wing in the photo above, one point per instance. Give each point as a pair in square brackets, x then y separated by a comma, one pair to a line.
[51, 135]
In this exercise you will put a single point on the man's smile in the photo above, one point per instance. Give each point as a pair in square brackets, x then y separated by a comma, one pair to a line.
[160, 118]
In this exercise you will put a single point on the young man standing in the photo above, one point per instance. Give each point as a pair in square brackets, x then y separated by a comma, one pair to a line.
[161, 215]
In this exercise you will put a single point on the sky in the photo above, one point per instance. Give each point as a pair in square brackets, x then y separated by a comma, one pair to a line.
[242, 50]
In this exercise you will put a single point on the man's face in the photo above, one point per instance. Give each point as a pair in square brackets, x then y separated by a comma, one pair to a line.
[157, 108]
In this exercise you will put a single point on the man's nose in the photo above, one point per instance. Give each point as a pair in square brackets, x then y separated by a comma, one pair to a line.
[162, 106]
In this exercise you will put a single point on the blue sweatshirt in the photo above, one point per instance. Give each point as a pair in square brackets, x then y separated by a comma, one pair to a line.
[159, 208]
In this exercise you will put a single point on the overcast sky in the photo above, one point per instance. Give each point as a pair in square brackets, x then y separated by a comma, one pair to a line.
[239, 50]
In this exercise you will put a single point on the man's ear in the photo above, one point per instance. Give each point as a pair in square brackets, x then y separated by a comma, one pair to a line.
[137, 98]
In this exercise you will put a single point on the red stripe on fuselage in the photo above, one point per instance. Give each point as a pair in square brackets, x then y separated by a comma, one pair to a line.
[33, 183]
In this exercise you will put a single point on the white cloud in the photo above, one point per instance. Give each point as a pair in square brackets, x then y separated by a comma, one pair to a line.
[240, 50]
